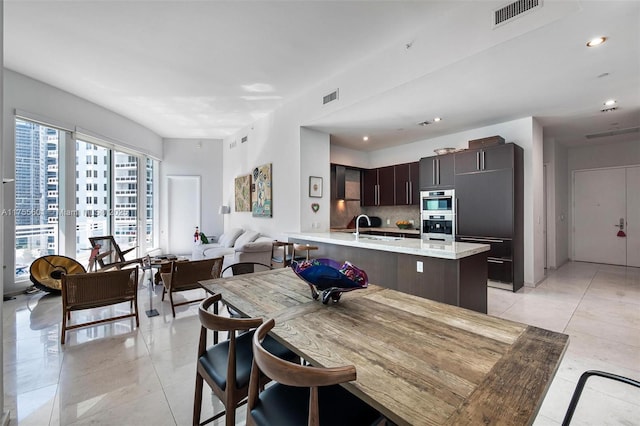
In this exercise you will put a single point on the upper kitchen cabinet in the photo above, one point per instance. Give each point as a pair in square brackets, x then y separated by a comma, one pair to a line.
[484, 159]
[407, 183]
[378, 187]
[345, 183]
[437, 172]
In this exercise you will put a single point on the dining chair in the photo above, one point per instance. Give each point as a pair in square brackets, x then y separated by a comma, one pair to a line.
[302, 251]
[281, 254]
[241, 268]
[184, 275]
[302, 394]
[226, 366]
[580, 387]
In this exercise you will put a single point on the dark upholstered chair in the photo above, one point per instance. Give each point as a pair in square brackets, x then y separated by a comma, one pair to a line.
[303, 394]
[583, 381]
[94, 290]
[226, 366]
[244, 268]
[281, 254]
[185, 276]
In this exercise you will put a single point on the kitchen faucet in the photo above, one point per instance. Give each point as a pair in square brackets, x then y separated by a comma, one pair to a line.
[358, 224]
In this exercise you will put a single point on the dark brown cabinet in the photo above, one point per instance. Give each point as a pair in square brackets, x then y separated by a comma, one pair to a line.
[484, 159]
[489, 184]
[378, 187]
[407, 189]
[437, 172]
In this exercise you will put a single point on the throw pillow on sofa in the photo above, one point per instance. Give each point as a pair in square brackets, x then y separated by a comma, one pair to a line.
[228, 239]
[248, 237]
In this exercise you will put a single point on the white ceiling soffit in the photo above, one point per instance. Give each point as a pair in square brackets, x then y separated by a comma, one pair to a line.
[205, 69]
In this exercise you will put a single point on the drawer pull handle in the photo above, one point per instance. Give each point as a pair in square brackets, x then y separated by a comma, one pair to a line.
[483, 240]
[495, 261]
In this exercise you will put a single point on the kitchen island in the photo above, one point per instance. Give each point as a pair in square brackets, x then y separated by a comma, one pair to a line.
[449, 272]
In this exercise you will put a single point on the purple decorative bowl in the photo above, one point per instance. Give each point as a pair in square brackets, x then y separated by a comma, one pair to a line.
[330, 277]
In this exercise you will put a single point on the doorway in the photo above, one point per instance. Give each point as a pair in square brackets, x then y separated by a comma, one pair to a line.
[606, 210]
[184, 212]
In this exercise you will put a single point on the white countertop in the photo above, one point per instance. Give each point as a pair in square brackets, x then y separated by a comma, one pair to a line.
[413, 246]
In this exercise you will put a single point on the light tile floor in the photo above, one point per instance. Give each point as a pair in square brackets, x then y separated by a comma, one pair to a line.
[116, 374]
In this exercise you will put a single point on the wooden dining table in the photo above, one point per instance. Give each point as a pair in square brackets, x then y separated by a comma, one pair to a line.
[418, 362]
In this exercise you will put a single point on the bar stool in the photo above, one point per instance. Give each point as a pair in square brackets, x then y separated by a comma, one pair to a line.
[281, 254]
[298, 248]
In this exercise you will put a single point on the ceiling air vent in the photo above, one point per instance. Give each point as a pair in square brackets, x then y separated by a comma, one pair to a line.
[613, 133]
[244, 139]
[510, 11]
[330, 97]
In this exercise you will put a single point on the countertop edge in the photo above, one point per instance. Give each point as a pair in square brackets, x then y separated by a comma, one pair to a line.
[416, 247]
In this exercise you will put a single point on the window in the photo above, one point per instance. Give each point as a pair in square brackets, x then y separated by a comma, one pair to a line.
[90, 222]
[36, 188]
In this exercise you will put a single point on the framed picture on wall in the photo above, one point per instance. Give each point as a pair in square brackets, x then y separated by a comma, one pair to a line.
[315, 187]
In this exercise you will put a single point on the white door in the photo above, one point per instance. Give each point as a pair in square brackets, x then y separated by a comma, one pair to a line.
[599, 204]
[184, 212]
[633, 216]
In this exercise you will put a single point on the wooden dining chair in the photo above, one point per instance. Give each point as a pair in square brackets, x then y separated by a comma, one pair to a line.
[281, 254]
[302, 395]
[184, 275]
[302, 251]
[226, 366]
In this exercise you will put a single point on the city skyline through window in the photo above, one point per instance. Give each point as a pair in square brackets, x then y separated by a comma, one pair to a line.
[108, 199]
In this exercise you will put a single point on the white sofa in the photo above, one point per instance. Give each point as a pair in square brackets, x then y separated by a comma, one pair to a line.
[236, 245]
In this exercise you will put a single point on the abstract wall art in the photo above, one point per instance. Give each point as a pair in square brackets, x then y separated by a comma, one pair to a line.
[261, 191]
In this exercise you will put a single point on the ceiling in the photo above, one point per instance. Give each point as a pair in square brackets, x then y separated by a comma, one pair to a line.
[206, 69]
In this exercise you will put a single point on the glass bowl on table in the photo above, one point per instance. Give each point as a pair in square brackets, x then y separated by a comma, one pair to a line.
[330, 277]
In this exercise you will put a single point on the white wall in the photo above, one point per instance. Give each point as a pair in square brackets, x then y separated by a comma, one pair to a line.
[193, 157]
[314, 161]
[594, 157]
[562, 205]
[58, 107]
[2, 142]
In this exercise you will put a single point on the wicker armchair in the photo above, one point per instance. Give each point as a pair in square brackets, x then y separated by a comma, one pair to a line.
[185, 276]
[94, 290]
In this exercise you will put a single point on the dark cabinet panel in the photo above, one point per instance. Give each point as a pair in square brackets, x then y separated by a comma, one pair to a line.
[406, 183]
[414, 179]
[485, 204]
[437, 172]
[489, 193]
[386, 186]
[500, 270]
[484, 159]
[467, 161]
[369, 191]
[340, 172]
[497, 157]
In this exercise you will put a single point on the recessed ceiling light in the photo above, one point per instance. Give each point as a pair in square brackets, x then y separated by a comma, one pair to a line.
[610, 102]
[435, 120]
[365, 138]
[596, 41]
